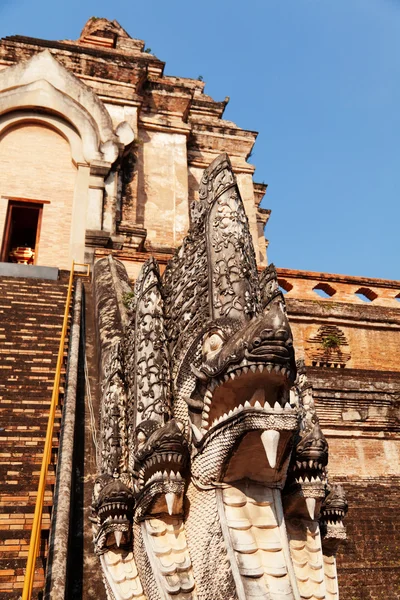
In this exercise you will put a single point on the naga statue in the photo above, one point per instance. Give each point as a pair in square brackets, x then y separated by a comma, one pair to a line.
[212, 465]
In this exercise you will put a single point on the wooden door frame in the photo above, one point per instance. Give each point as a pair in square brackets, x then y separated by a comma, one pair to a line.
[21, 203]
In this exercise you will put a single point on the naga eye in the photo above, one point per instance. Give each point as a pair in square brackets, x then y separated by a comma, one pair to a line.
[213, 343]
[140, 438]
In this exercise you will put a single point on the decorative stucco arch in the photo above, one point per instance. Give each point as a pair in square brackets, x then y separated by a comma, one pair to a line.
[75, 112]
[65, 129]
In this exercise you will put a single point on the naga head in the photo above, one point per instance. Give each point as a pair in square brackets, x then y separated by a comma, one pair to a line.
[230, 341]
[305, 484]
[113, 505]
[333, 511]
[306, 476]
[161, 462]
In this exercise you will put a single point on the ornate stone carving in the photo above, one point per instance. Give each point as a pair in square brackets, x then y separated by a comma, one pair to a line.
[211, 445]
[328, 347]
[305, 484]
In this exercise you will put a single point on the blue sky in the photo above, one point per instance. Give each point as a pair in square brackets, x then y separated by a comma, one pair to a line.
[320, 81]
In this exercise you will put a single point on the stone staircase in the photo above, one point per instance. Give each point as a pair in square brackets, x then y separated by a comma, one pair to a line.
[31, 315]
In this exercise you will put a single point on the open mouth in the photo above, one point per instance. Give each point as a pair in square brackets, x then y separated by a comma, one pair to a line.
[162, 466]
[115, 518]
[114, 511]
[253, 395]
[164, 471]
[334, 517]
[308, 471]
[249, 386]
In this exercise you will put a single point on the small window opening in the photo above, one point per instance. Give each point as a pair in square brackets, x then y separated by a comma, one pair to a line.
[366, 295]
[284, 286]
[324, 290]
[21, 234]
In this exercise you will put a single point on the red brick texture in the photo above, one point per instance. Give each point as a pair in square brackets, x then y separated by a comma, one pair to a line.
[31, 314]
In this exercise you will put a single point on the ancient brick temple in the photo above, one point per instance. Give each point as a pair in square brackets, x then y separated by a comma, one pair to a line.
[101, 158]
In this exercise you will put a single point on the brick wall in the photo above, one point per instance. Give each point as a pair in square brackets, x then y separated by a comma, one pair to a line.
[369, 562]
[35, 163]
[372, 332]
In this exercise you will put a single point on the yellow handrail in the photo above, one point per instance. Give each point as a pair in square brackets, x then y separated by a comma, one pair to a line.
[37, 518]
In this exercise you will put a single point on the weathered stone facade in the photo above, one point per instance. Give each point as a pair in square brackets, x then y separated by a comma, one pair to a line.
[138, 142]
[113, 151]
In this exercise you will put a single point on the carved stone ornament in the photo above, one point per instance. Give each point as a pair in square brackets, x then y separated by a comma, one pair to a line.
[213, 464]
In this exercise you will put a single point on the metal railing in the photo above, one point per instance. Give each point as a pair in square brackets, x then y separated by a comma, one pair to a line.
[48, 447]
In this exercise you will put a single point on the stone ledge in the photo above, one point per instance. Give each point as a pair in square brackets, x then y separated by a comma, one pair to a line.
[28, 271]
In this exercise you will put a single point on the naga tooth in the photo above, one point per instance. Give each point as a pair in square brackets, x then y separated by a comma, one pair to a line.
[204, 423]
[258, 398]
[277, 407]
[253, 368]
[245, 369]
[232, 375]
[196, 432]
[270, 440]
[198, 373]
[311, 464]
[261, 368]
[311, 502]
[269, 367]
[170, 500]
[226, 377]
[118, 537]
[287, 406]
[207, 408]
[179, 476]
[247, 404]
[240, 407]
